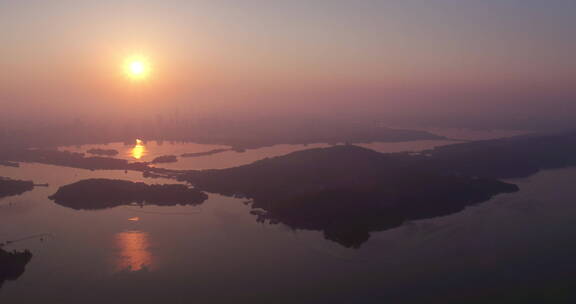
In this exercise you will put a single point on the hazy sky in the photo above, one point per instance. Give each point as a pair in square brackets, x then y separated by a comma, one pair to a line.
[409, 57]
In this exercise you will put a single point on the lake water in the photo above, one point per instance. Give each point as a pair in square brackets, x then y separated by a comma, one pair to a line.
[217, 252]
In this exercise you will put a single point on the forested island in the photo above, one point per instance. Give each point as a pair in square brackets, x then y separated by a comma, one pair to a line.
[102, 152]
[13, 264]
[9, 164]
[165, 159]
[348, 191]
[206, 153]
[10, 187]
[91, 194]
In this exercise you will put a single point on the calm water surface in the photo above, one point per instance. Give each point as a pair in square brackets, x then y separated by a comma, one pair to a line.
[217, 252]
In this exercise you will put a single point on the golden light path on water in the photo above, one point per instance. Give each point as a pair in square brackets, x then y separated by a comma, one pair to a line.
[139, 150]
[134, 253]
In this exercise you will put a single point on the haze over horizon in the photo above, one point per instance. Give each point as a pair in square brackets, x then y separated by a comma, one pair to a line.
[484, 63]
[287, 151]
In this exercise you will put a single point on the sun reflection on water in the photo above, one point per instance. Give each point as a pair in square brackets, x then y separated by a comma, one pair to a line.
[134, 251]
[139, 150]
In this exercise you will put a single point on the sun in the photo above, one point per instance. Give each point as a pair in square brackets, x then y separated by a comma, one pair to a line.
[137, 67]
